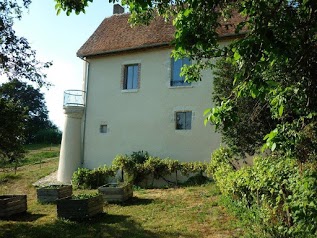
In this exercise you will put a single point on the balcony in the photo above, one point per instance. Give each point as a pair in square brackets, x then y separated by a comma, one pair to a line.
[74, 98]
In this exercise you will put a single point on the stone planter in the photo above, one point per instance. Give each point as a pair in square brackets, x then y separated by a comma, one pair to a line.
[12, 204]
[114, 192]
[79, 209]
[53, 192]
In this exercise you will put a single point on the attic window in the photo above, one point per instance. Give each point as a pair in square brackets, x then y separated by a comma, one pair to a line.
[131, 76]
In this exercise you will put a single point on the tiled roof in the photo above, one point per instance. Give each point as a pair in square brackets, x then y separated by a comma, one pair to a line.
[115, 34]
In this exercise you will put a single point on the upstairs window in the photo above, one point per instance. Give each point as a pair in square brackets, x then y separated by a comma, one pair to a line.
[176, 79]
[183, 120]
[131, 77]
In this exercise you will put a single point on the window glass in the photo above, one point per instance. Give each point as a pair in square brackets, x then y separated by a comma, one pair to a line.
[131, 77]
[188, 120]
[176, 79]
[183, 120]
[135, 76]
[103, 128]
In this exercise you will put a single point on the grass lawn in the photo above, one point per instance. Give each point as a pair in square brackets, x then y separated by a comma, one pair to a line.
[153, 213]
[35, 154]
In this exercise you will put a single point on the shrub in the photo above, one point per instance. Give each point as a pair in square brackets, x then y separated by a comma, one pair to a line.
[276, 197]
[86, 178]
[139, 165]
[139, 157]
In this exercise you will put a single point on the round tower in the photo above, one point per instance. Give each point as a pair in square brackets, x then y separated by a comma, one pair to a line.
[70, 153]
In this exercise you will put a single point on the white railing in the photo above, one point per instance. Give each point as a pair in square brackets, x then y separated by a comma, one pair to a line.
[74, 98]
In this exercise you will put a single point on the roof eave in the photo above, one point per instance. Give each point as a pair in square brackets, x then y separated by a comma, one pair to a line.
[222, 38]
[124, 50]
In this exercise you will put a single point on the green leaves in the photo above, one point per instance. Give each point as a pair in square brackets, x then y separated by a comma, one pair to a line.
[236, 55]
[270, 140]
[18, 60]
[273, 197]
[137, 171]
[86, 178]
[69, 6]
[11, 130]
[281, 110]
[220, 115]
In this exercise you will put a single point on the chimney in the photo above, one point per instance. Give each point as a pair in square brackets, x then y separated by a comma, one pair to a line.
[118, 9]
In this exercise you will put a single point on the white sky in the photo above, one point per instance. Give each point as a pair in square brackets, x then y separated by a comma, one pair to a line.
[57, 38]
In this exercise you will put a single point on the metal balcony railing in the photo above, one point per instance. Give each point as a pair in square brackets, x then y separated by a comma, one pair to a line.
[74, 98]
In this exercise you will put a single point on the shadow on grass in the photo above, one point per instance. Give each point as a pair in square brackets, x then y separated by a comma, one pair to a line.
[104, 225]
[7, 176]
[135, 201]
[24, 217]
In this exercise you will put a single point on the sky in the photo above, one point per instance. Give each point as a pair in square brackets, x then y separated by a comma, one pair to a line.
[57, 39]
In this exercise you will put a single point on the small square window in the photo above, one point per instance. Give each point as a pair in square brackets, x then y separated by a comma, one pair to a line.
[183, 120]
[103, 128]
[176, 79]
[131, 77]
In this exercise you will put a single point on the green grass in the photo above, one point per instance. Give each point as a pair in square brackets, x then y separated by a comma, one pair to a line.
[40, 147]
[36, 153]
[187, 212]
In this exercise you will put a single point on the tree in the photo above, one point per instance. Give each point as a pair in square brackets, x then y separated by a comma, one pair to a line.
[36, 117]
[251, 121]
[11, 131]
[17, 59]
[17, 62]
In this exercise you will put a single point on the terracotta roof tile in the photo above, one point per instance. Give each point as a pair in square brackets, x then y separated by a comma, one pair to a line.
[115, 34]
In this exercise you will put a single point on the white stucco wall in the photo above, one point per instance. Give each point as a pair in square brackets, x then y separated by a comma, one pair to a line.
[144, 120]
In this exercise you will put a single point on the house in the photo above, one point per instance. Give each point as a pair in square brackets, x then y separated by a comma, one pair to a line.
[134, 99]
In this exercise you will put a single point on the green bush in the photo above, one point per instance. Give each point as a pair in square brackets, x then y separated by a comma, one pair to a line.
[276, 197]
[139, 165]
[91, 179]
[139, 157]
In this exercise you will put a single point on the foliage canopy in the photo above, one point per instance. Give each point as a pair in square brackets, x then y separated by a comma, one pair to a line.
[17, 58]
[11, 130]
[17, 62]
[36, 116]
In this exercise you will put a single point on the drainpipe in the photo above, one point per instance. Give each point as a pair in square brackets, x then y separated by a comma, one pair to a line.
[86, 80]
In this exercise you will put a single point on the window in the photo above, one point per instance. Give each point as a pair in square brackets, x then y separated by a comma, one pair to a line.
[103, 128]
[131, 77]
[176, 79]
[183, 120]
